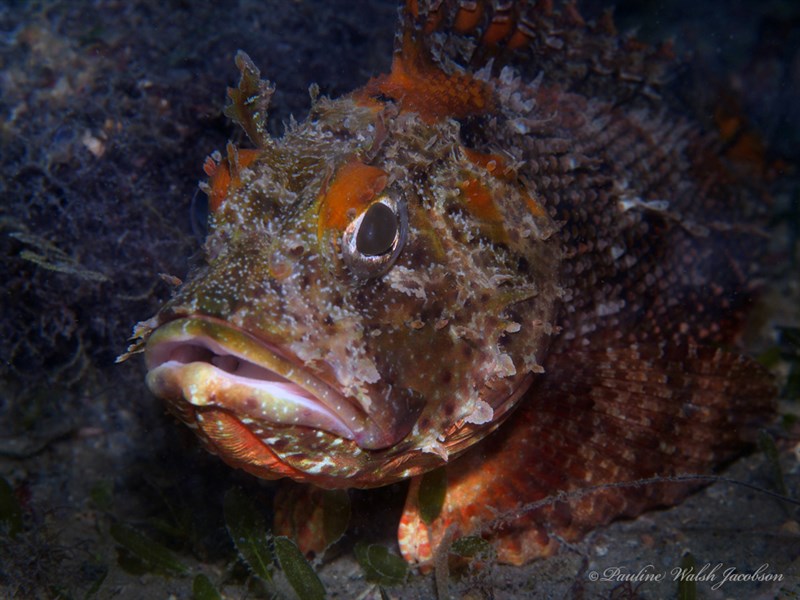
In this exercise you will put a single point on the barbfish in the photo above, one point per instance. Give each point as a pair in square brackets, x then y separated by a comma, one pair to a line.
[515, 237]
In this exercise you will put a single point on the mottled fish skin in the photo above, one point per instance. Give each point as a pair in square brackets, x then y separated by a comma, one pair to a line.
[420, 359]
[568, 243]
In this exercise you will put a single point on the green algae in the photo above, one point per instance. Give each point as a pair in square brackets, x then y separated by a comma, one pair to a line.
[10, 510]
[145, 553]
[203, 589]
[432, 492]
[687, 587]
[472, 546]
[380, 565]
[248, 531]
[50, 257]
[300, 575]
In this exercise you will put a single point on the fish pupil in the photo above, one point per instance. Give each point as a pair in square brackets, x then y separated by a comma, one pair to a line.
[378, 230]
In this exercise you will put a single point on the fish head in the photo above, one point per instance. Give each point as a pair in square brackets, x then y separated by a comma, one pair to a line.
[374, 299]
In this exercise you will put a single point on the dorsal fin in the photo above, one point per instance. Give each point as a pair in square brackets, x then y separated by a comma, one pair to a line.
[551, 37]
[421, 84]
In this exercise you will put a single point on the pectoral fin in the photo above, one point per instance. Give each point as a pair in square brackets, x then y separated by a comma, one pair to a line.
[596, 417]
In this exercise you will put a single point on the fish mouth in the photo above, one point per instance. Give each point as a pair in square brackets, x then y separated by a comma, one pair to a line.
[210, 364]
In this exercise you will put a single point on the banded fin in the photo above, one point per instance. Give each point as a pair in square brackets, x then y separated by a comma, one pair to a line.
[597, 417]
[419, 83]
[579, 54]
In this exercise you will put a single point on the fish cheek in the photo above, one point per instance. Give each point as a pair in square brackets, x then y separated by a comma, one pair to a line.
[424, 363]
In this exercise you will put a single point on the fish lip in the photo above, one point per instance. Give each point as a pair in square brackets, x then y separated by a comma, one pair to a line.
[195, 349]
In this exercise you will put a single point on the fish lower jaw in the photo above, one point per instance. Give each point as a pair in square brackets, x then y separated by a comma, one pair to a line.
[254, 401]
[203, 364]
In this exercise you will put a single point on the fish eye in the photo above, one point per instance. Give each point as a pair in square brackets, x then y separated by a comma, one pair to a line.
[373, 240]
[377, 230]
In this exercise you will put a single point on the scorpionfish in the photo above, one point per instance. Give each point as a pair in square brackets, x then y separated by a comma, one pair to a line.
[515, 237]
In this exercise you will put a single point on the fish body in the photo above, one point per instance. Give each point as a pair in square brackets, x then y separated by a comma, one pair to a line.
[453, 252]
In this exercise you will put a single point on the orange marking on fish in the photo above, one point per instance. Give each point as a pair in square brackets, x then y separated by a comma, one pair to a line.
[418, 85]
[413, 535]
[634, 45]
[744, 145]
[727, 124]
[574, 15]
[519, 39]
[480, 200]
[467, 19]
[222, 182]
[498, 30]
[497, 166]
[210, 166]
[480, 203]
[606, 23]
[434, 17]
[536, 209]
[667, 50]
[493, 163]
[413, 539]
[434, 21]
[526, 28]
[353, 187]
